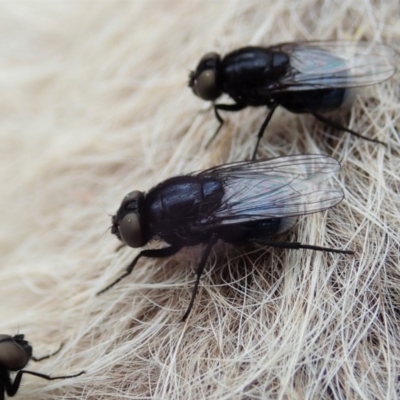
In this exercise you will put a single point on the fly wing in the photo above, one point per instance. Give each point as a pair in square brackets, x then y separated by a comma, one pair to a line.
[336, 64]
[276, 188]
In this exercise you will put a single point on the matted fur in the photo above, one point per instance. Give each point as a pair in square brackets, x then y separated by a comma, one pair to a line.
[94, 103]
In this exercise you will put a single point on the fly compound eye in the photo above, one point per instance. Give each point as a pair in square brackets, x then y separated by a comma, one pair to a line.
[12, 356]
[130, 230]
[206, 85]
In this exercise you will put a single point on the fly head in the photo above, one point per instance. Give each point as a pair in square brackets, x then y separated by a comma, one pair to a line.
[15, 352]
[126, 224]
[205, 81]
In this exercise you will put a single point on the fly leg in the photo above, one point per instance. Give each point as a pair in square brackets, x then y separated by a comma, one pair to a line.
[333, 124]
[298, 245]
[153, 253]
[48, 355]
[12, 387]
[223, 107]
[199, 272]
[263, 127]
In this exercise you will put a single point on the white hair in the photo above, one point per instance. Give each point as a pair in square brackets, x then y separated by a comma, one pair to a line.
[94, 104]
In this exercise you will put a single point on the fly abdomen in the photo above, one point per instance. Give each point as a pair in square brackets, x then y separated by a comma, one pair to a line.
[273, 226]
[253, 230]
[312, 101]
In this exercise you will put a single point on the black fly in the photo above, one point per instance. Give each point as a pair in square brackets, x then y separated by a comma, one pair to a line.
[303, 77]
[15, 353]
[249, 201]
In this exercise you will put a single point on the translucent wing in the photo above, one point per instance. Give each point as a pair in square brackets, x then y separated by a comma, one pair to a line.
[336, 64]
[280, 187]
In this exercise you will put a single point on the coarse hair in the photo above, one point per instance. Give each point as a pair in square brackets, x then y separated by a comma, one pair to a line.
[94, 104]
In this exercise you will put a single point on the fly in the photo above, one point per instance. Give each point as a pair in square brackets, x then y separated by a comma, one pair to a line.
[15, 353]
[303, 77]
[250, 201]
